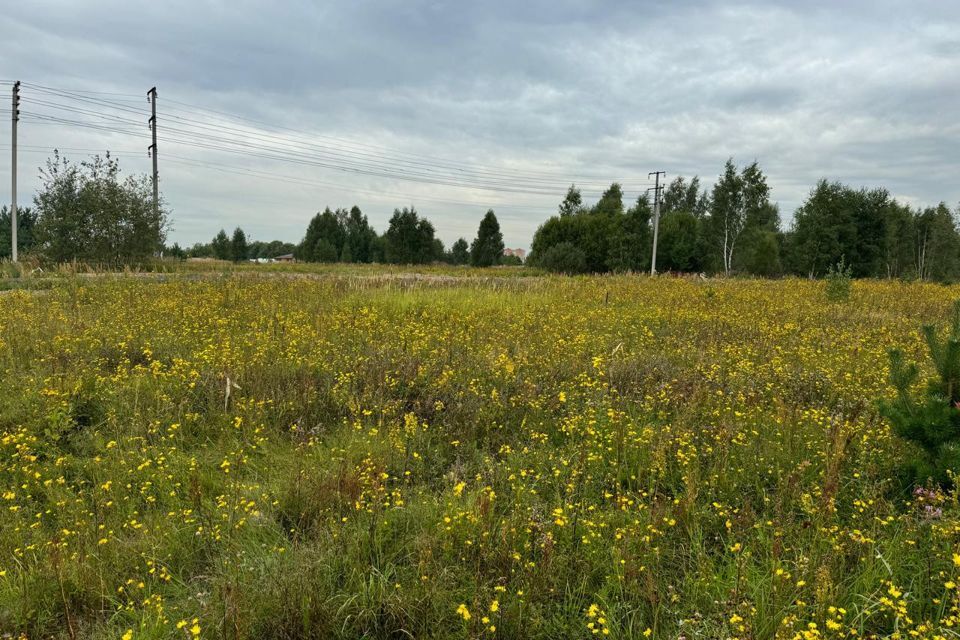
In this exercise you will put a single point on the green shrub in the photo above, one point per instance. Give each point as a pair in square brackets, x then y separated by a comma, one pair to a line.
[839, 280]
[564, 258]
[931, 418]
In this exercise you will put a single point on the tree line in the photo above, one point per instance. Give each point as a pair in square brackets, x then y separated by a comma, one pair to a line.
[237, 248]
[733, 227]
[346, 236]
[343, 235]
[89, 212]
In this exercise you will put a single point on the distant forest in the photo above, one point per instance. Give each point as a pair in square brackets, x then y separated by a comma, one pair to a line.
[735, 228]
[86, 212]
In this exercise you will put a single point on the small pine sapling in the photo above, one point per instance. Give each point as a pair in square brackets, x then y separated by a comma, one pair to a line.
[930, 419]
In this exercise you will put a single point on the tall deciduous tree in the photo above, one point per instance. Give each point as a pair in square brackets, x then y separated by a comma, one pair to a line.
[611, 202]
[572, 203]
[898, 245]
[836, 221]
[630, 238]
[727, 214]
[487, 247]
[89, 212]
[681, 195]
[937, 243]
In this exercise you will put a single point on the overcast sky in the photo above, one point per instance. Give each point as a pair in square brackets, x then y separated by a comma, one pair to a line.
[521, 98]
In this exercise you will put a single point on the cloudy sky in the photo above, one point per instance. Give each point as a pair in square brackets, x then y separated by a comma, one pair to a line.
[270, 111]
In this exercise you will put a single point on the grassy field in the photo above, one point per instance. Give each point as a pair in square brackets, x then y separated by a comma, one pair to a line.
[361, 454]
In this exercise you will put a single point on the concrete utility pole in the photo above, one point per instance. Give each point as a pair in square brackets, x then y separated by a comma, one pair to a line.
[656, 217]
[13, 170]
[152, 149]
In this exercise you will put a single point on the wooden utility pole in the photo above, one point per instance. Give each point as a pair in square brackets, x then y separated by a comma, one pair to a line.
[13, 170]
[152, 149]
[656, 217]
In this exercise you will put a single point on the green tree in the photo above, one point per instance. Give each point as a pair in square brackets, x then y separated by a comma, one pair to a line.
[821, 231]
[176, 251]
[898, 241]
[761, 253]
[563, 257]
[678, 245]
[200, 250]
[325, 251]
[572, 203]
[681, 245]
[487, 247]
[324, 238]
[26, 224]
[88, 212]
[410, 239]
[631, 238]
[221, 246]
[607, 237]
[727, 214]
[836, 221]
[937, 243]
[611, 201]
[460, 252]
[359, 237]
[681, 195]
[238, 246]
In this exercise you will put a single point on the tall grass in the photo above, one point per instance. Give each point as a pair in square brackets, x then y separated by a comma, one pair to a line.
[447, 458]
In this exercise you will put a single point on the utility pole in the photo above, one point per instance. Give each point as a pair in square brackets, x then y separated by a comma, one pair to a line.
[152, 149]
[656, 217]
[13, 170]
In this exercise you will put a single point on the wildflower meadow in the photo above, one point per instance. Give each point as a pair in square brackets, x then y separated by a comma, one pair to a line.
[350, 455]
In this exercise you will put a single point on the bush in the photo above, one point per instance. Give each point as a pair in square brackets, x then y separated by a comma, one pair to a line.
[839, 280]
[563, 258]
[931, 419]
[89, 213]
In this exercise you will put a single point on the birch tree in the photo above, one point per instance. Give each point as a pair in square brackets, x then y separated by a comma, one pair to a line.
[728, 215]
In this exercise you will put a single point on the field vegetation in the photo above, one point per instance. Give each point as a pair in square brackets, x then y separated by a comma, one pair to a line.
[345, 454]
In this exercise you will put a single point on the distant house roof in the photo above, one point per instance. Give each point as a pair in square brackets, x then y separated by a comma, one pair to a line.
[286, 256]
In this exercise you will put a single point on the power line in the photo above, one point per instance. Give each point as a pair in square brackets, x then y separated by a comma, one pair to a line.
[381, 152]
[136, 96]
[244, 171]
[215, 143]
[102, 112]
[435, 159]
[344, 160]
